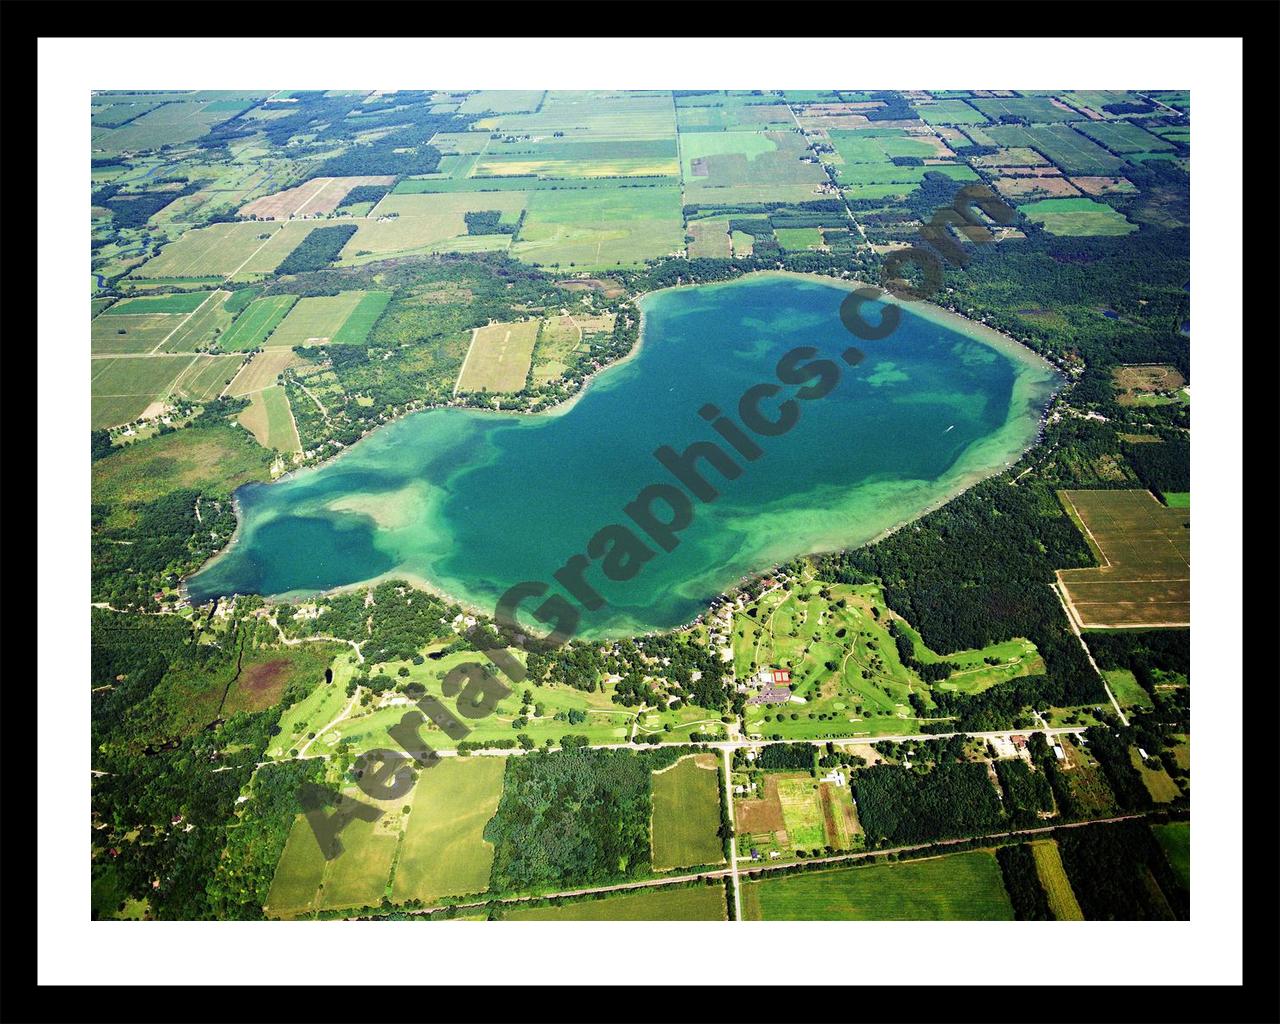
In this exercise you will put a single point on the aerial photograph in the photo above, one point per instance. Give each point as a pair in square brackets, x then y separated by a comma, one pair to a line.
[736, 505]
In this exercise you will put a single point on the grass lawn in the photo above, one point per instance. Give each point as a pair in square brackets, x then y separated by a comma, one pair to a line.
[958, 887]
[1126, 689]
[685, 903]
[686, 814]
[443, 852]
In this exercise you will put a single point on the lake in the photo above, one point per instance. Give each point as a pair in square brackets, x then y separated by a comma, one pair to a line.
[470, 503]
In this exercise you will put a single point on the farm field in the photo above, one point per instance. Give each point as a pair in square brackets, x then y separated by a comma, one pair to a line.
[956, 887]
[132, 333]
[1144, 549]
[206, 376]
[1036, 109]
[314, 320]
[670, 903]
[710, 238]
[443, 852]
[316, 196]
[558, 341]
[240, 251]
[1123, 137]
[123, 388]
[202, 328]
[499, 357]
[686, 814]
[270, 420]
[599, 229]
[262, 370]
[252, 328]
[355, 329]
[1077, 216]
[422, 223]
[1066, 147]
[1054, 882]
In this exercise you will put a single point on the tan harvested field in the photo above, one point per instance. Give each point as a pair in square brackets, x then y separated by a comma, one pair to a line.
[710, 238]
[270, 420]
[314, 320]
[499, 358]
[431, 222]
[764, 815]
[1096, 186]
[1012, 157]
[1036, 186]
[319, 195]
[1145, 378]
[262, 371]
[1144, 548]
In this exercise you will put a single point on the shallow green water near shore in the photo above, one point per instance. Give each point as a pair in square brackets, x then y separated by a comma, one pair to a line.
[471, 502]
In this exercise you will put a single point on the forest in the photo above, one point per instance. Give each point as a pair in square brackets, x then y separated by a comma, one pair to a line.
[900, 807]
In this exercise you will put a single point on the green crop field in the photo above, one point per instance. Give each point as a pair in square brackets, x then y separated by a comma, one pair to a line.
[1077, 216]
[1054, 882]
[1123, 137]
[1175, 838]
[671, 903]
[206, 377]
[798, 239]
[953, 111]
[600, 229]
[1036, 109]
[253, 327]
[269, 419]
[443, 852]
[423, 223]
[1062, 144]
[686, 814]
[124, 387]
[203, 327]
[185, 302]
[957, 887]
[355, 329]
[131, 334]
[314, 321]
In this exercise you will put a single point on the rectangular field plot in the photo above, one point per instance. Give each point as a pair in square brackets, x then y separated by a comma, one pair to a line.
[314, 321]
[958, 887]
[444, 852]
[1054, 882]
[430, 222]
[558, 341]
[1066, 147]
[950, 112]
[594, 114]
[319, 195]
[594, 159]
[1145, 552]
[714, 160]
[1076, 215]
[131, 333]
[185, 302]
[502, 101]
[686, 814]
[1036, 109]
[242, 250]
[254, 325]
[499, 358]
[206, 376]
[600, 228]
[1123, 137]
[203, 326]
[270, 420]
[670, 903]
[355, 329]
[124, 387]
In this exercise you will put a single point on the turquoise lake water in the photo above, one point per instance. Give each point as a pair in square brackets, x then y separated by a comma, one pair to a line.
[471, 502]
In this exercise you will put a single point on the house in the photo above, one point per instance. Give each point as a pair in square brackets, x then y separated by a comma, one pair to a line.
[755, 854]
[835, 775]
[1058, 752]
[1019, 741]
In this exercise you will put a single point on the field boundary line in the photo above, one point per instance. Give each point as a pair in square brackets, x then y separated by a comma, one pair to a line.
[475, 332]
[1060, 590]
[165, 340]
[252, 255]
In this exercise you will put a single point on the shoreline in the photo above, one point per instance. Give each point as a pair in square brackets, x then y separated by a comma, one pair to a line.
[971, 329]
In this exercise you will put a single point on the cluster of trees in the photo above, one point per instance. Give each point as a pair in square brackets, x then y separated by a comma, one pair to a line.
[1110, 868]
[153, 544]
[400, 622]
[1022, 883]
[134, 209]
[978, 571]
[1162, 467]
[364, 194]
[783, 757]
[930, 672]
[898, 807]
[1026, 791]
[317, 250]
[487, 222]
[573, 818]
